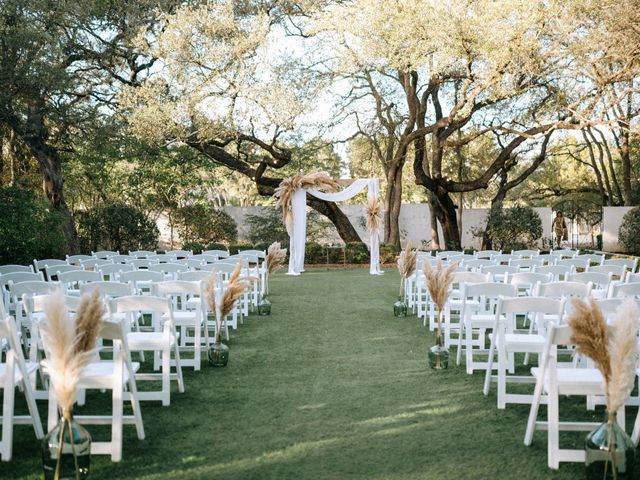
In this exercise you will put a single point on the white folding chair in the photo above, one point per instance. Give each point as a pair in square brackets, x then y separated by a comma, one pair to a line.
[578, 264]
[630, 264]
[526, 253]
[52, 272]
[187, 316]
[15, 268]
[497, 273]
[506, 341]
[180, 253]
[141, 280]
[600, 282]
[95, 263]
[454, 303]
[558, 272]
[625, 290]
[479, 301]
[51, 262]
[552, 381]
[142, 263]
[162, 341]
[218, 253]
[527, 282]
[487, 254]
[15, 372]
[594, 258]
[141, 253]
[617, 271]
[18, 291]
[72, 281]
[111, 273]
[75, 259]
[117, 375]
[476, 264]
[526, 264]
[16, 277]
[564, 253]
[170, 270]
[104, 254]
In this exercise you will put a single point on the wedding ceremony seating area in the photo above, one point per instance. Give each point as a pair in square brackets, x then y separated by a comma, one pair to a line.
[504, 323]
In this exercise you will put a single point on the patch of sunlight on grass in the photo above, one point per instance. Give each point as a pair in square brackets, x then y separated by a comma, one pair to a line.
[377, 421]
[298, 450]
[312, 407]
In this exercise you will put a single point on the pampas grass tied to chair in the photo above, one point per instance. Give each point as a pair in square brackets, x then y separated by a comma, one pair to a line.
[221, 305]
[407, 261]
[69, 347]
[275, 260]
[439, 282]
[614, 349]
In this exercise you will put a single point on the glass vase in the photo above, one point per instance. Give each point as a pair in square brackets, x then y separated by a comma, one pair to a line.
[218, 354]
[400, 308]
[66, 450]
[264, 307]
[610, 453]
[438, 355]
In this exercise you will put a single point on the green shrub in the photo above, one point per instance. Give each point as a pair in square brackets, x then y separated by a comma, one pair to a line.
[357, 252]
[116, 227]
[195, 247]
[267, 227]
[216, 246]
[629, 232]
[513, 228]
[203, 224]
[237, 247]
[314, 253]
[29, 227]
[388, 253]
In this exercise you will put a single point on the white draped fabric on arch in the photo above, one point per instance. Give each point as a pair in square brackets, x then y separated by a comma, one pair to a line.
[298, 230]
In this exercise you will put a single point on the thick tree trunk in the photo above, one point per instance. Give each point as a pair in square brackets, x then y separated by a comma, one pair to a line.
[342, 223]
[267, 185]
[52, 186]
[392, 205]
[448, 220]
[626, 167]
[433, 219]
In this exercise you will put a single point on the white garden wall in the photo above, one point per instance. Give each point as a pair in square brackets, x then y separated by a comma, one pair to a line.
[415, 223]
[612, 219]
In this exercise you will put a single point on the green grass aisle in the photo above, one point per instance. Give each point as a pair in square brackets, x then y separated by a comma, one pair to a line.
[331, 386]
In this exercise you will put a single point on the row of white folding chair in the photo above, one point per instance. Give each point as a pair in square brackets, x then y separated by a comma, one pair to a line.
[554, 379]
[6, 280]
[118, 375]
[15, 373]
[4, 269]
[479, 299]
[114, 374]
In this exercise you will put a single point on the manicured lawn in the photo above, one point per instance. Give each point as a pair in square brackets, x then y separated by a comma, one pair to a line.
[331, 386]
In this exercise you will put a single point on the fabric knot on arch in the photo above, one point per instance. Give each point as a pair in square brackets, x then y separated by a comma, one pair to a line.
[292, 198]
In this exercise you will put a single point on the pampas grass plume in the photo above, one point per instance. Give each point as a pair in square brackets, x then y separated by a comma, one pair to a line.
[623, 351]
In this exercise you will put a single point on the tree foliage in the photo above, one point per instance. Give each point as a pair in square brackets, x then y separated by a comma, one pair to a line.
[116, 226]
[29, 227]
[628, 234]
[513, 228]
[199, 223]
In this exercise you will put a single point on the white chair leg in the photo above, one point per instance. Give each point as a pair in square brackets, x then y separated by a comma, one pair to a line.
[179, 369]
[116, 424]
[553, 432]
[7, 415]
[166, 376]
